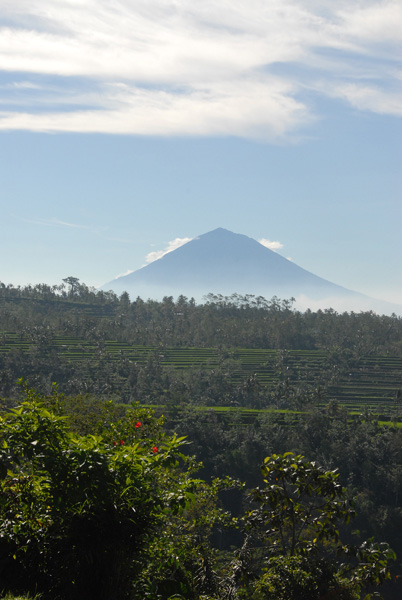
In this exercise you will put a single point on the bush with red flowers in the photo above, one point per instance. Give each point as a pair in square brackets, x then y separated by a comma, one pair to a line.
[78, 514]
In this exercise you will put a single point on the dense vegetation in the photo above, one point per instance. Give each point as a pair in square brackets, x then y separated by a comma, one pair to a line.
[243, 378]
[119, 514]
[235, 321]
[237, 351]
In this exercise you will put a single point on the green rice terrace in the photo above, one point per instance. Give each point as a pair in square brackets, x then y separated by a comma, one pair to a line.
[370, 382]
[231, 352]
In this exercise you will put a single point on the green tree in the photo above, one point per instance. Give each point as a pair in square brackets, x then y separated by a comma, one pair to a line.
[73, 282]
[297, 520]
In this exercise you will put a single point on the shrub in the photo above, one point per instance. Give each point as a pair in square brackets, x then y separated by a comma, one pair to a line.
[77, 512]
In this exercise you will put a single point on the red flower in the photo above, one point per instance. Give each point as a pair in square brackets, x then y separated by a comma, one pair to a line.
[114, 443]
[138, 424]
[154, 449]
[121, 442]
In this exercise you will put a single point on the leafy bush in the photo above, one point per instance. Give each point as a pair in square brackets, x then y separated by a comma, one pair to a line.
[299, 578]
[79, 513]
[296, 523]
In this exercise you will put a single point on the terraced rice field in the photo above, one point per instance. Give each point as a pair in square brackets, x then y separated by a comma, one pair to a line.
[369, 381]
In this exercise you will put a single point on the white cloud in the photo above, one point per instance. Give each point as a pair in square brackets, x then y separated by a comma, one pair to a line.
[373, 21]
[163, 67]
[21, 85]
[271, 245]
[173, 245]
[370, 98]
[258, 109]
[128, 272]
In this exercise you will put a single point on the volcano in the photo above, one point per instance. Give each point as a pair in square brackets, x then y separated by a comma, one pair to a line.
[223, 262]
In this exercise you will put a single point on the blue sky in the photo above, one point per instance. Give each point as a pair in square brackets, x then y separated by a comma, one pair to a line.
[127, 127]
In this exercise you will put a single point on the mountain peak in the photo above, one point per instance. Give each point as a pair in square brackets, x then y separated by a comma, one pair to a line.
[223, 262]
[219, 231]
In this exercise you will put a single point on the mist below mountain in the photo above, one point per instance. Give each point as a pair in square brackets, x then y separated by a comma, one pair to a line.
[222, 262]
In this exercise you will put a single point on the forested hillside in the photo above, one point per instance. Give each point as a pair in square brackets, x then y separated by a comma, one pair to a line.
[242, 377]
[235, 351]
[235, 321]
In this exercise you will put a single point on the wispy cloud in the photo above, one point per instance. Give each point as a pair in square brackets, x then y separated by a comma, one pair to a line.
[173, 245]
[20, 85]
[53, 222]
[154, 67]
[242, 108]
[370, 98]
[271, 245]
[128, 272]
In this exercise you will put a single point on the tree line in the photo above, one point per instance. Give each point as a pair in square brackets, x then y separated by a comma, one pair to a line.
[223, 321]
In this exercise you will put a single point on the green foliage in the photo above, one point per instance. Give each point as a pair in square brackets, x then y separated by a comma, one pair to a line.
[300, 505]
[81, 516]
[119, 513]
[183, 561]
[24, 597]
[300, 578]
[297, 520]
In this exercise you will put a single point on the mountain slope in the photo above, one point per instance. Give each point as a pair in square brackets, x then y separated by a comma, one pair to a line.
[224, 262]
